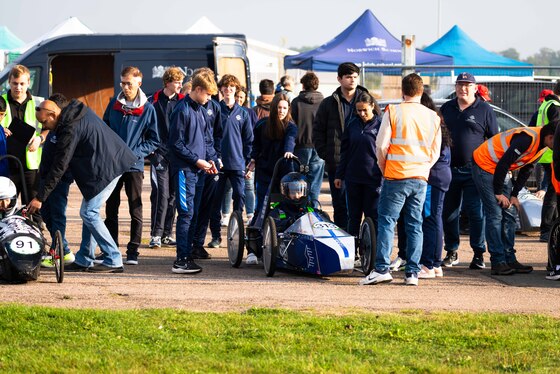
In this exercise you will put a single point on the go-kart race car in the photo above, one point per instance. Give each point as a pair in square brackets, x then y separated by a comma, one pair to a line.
[22, 245]
[289, 234]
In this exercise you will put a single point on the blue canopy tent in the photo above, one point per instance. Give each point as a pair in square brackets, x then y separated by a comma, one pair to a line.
[366, 41]
[467, 52]
[8, 40]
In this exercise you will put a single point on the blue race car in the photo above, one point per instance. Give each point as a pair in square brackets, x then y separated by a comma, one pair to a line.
[288, 233]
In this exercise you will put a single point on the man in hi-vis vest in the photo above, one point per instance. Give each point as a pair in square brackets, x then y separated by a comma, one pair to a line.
[493, 160]
[23, 132]
[408, 145]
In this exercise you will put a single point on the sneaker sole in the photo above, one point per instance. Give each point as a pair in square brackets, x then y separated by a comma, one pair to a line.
[476, 267]
[553, 277]
[131, 262]
[365, 282]
[154, 246]
[185, 271]
[105, 271]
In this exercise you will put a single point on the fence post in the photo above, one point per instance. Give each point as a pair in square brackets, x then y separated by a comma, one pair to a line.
[408, 53]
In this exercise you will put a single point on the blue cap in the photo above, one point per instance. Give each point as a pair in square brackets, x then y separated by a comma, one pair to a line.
[465, 77]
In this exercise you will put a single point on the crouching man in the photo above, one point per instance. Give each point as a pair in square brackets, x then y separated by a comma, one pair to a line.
[97, 157]
[510, 150]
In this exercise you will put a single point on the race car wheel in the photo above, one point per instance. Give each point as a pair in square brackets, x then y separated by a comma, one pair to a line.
[367, 245]
[270, 247]
[57, 254]
[235, 239]
[553, 244]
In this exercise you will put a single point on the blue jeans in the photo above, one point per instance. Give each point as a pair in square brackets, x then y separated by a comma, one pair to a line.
[227, 195]
[250, 194]
[407, 195]
[53, 212]
[500, 223]
[309, 156]
[463, 193]
[95, 232]
[432, 228]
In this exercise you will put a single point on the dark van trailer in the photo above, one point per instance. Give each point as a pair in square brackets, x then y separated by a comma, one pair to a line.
[87, 67]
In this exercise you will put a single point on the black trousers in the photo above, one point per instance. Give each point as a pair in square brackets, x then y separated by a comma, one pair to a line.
[132, 182]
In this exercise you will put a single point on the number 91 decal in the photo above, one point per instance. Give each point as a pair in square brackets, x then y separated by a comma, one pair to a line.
[24, 245]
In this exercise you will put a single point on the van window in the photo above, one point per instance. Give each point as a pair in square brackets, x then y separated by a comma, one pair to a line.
[34, 82]
[234, 66]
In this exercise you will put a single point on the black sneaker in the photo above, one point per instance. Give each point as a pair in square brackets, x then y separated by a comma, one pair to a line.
[553, 275]
[185, 266]
[544, 237]
[501, 269]
[451, 259]
[168, 241]
[131, 259]
[99, 258]
[477, 262]
[74, 267]
[200, 253]
[520, 268]
[105, 269]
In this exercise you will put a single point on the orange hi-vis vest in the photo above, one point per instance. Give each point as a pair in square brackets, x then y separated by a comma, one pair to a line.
[489, 153]
[413, 144]
[555, 183]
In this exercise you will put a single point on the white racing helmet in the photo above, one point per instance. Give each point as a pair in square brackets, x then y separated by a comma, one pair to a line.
[8, 191]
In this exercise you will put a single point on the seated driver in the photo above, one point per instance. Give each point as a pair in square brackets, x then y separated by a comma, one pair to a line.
[293, 187]
[8, 197]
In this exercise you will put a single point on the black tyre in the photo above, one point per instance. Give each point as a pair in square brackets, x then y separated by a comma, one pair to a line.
[235, 239]
[554, 245]
[367, 245]
[57, 254]
[270, 247]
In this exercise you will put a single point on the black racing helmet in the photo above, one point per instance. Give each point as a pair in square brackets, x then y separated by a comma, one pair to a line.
[293, 187]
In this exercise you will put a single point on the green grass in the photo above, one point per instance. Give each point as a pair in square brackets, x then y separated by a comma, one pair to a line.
[35, 339]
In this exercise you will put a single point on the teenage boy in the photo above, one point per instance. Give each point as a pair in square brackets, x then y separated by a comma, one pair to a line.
[330, 121]
[237, 139]
[163, 187]
[23, 132]
[134, 119]
[189, 152]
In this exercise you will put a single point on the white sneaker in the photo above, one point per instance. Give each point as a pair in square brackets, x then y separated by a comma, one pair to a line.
[438, 272]
[249, 219]
[225, 220]
[426, 273]
[251, 259]
[397, 264]
[376, 278]
[411, 279]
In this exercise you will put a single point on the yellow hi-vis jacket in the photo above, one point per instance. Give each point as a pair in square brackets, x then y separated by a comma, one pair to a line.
[33, 159]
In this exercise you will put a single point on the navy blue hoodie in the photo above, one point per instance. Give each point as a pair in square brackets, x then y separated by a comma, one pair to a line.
[237, 137]
[358, 163]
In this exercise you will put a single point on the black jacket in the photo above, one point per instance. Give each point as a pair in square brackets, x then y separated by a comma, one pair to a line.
[94, 153]
[328, 127]
[304, 108]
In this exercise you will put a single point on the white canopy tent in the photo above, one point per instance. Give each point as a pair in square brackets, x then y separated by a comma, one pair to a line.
[70, 26]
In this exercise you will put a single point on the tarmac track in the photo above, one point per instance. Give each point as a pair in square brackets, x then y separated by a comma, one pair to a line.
[220, 288]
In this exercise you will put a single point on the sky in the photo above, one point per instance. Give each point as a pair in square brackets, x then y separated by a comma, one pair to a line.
[495, 24]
